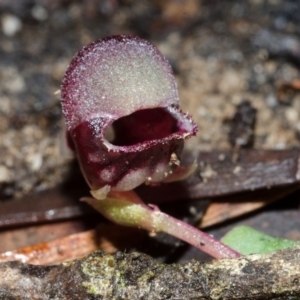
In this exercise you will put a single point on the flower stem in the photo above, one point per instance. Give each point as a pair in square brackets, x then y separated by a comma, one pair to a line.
[126, 208]
[192, 235]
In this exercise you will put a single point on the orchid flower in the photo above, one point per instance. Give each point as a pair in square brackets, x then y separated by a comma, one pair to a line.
[121, 105]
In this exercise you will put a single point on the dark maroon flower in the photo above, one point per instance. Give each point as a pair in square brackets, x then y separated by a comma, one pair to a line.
[121, 105]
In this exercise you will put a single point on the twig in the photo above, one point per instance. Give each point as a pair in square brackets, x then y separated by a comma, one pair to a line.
[227, 208]
[137, 276]
[107, 237]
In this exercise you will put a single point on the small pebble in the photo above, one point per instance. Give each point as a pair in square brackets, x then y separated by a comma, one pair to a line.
[10, 25]
[39, 13]
[4, 174]
[291, 114]
[35, 161]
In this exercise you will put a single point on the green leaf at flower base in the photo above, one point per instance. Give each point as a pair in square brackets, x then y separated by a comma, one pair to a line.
[247, 240]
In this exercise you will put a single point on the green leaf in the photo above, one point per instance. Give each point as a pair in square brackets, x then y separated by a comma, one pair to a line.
[247, 240]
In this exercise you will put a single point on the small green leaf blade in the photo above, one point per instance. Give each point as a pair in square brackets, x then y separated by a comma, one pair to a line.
[247, 240]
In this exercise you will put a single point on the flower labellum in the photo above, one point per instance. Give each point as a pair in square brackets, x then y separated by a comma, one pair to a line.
[121, 106]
